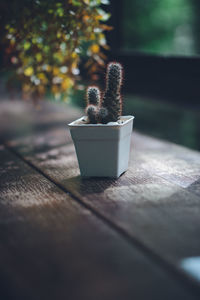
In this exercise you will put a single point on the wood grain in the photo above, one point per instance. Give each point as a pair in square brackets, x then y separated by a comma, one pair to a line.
[156, 202]
[174, 163]
[53, 248]
[161, 214]
[152, 192]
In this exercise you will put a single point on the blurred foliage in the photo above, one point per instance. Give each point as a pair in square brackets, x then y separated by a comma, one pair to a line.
[46, 40]
[156, 26]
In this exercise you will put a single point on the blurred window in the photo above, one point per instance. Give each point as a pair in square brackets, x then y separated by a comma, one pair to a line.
[160, 26]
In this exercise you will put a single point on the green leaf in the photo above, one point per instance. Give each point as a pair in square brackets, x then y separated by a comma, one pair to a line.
[76, 3]
[27, 45]
[60, 11]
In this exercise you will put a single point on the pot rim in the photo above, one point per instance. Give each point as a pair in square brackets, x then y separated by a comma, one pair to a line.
[126, 119]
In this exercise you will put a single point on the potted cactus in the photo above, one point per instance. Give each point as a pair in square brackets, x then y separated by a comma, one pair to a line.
[102, 137]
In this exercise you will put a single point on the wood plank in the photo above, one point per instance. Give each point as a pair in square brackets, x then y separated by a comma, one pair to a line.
[174, 163]
[153, 202]
[21, 118]
[162, 215]
[53, 248]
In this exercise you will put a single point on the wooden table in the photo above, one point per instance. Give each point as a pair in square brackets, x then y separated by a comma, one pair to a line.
[63, 237]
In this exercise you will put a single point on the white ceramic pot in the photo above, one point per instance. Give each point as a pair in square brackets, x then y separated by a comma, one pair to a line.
[102, 149]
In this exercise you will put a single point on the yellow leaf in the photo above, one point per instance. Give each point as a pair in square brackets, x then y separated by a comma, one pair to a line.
[28, 71]
[67, 83]
[74, 55]
[42, 77]
[12, 30]
[92, 36]
[98, 17]
[56, 70]
[94, 48]
[39, 57]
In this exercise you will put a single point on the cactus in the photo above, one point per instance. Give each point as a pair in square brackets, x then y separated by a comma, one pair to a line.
[111, 104]
[102, 114]
[93, 99]
[112, 98]
[93, 95]
[92, 113]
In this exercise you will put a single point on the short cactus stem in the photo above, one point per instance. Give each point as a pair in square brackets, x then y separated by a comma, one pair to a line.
[92, 113]
[93, 95]
[102, 115]
[93, 99]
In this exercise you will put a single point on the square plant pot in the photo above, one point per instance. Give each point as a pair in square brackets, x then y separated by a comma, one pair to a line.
[102, 149]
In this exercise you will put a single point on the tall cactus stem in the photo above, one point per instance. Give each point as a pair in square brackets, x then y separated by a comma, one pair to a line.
[112, 98]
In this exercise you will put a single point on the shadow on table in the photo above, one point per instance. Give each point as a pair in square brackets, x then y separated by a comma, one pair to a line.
[86, 186]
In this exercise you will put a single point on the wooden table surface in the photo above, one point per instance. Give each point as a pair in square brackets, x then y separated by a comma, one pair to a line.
[64, 237]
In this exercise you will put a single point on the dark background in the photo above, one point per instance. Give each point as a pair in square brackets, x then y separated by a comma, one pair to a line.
[158, 43]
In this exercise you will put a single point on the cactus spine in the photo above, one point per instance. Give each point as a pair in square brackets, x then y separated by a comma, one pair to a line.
[111, 104]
